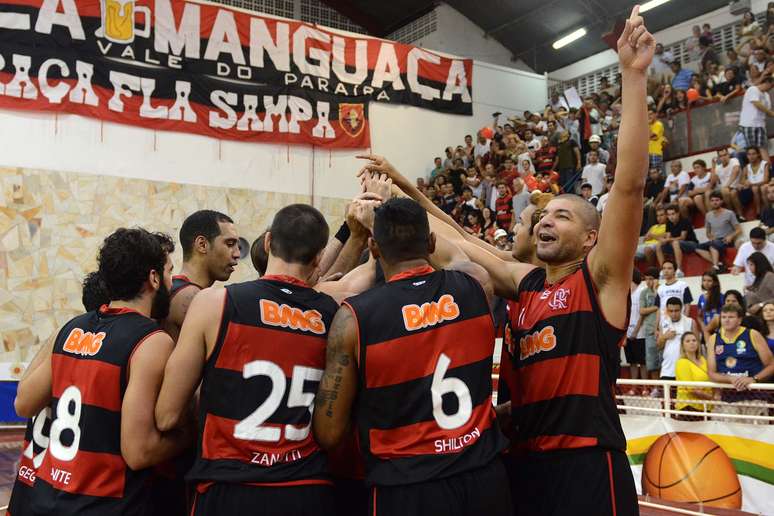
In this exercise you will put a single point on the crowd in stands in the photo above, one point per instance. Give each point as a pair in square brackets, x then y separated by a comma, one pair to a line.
[485, 182]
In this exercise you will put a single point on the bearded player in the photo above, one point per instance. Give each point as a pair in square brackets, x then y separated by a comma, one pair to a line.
[569, 322]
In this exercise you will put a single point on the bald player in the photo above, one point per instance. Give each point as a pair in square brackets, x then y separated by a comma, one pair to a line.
[210, 253]
[571, 319]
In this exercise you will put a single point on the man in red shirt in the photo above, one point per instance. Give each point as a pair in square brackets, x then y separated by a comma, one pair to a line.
[503, 206]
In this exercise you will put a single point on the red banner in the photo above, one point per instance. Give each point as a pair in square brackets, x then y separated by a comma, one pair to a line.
[201, 68]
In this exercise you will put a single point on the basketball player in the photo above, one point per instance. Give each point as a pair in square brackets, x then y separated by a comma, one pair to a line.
[258, 349]
[571, 320]
[258, 254]
[94, 295]
[424, 409]
[100, 380]
[210, 253]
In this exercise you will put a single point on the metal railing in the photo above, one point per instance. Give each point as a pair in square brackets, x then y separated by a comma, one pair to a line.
[755, 405]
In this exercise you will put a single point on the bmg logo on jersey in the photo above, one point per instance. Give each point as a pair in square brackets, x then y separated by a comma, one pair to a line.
[416, 317]
[83, 343]
[284, 316]
[543, 340]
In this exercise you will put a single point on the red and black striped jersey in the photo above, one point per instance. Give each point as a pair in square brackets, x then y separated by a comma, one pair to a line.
[424, 407]
[83, 471]
[33, 451]
[259, 385]
[181, 281]
[565, 359]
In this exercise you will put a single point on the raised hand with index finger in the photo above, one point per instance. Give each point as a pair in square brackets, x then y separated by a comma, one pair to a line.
[636, 45]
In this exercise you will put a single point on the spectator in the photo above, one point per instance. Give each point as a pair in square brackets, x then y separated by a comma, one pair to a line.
[681, 237]
[532, 141]
[676, 184]
[734, 298]
[656, 143]
[473, 181]
[481, 148]
[653, 238]
[762, 289]
[756, 105]
[757, 64]
[741, 357]
[489, 225]
[706, 31]
[666, 100]
[730, 86]
[715, 76]
[473, 225]
[692, 44]
[728, 172]
[755, 178]
[557, 102]
[706, 52]
[722, 231]
[767, 317]
[466, 204]
[749, 30]
[503, 206]
[733, 61]
[682, 76]
[649, 313]
[508, 171]
[635, 335]
[432, 194]
[594, 173]
[659, 67]
[654, 196]
[469, 148]
[568, 161]
[672, 326]
[501, 240]
[692, 367]
[448, 163]
[456, 176]
[681, 101]
[526, 170]
[520, 197]
[602, 202]
[449, 201]
[545, 156]
[585, 192]
[710, 302]
[767, 217]
[672, 287]
[703, 182]
[437, 169]
[595, 143]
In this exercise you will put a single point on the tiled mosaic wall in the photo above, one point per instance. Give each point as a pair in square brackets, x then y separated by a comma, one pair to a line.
[51, 224]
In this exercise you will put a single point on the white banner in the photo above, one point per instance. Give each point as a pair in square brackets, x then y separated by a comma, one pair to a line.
[715, 463]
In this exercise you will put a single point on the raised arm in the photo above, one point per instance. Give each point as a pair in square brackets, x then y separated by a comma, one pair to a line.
[612, 260]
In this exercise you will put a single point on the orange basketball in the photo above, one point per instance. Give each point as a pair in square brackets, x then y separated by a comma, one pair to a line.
[692, 468]
[692, 94]
[487, 133]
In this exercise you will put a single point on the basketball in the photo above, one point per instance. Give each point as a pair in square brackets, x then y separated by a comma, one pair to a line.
[689, 467]
[487, 132]
[692, 94]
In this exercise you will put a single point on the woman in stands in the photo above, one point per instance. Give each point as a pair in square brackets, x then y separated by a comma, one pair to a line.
[691, 367]
[767, 316]
[489, 226]
[710, 303]
[762, 289]
[734, 297]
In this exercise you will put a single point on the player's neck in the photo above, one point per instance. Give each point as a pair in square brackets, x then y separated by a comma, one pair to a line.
[140, 304]
[197, 273]
[391, 270]
[670, 281]
[277, 267]
[555, 273]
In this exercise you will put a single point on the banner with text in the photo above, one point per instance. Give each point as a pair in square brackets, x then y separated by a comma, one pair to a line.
[201, 68]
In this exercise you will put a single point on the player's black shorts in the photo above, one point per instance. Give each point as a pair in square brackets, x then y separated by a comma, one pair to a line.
[583, 482]
[351, 497]
[237, 499]
[482, 491]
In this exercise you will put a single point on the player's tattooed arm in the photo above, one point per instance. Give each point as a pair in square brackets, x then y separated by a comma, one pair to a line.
[338, 386]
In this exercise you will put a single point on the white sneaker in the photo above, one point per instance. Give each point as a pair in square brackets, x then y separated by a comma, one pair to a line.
[679, 274]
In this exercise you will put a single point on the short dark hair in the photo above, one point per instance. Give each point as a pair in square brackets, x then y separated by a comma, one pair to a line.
[636, 276]
[758, 233]
[738, 310]
[672, 207]
[468, 136]
[298, 233]
[652, 272]
[669, 261]
[467, 189]
[753, 147]
[700, 162]
[95, 293]
[200, 223]
[258, 254]
[716, 195]
[674, 301]
[126, 258]
[401, 230]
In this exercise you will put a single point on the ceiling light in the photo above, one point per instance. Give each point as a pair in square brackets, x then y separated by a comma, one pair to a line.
[647, 6]
[569, 38]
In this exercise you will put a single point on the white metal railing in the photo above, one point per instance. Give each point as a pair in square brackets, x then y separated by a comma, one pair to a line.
[761, 411]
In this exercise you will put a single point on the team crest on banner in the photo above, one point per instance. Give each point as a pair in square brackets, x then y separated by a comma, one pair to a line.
[352, 118]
